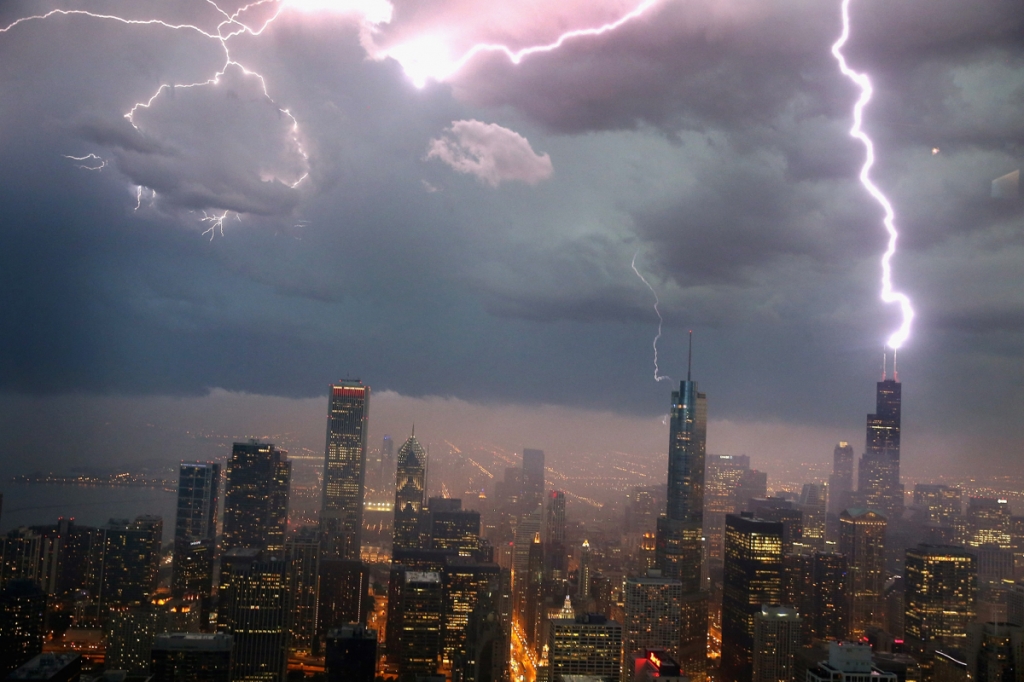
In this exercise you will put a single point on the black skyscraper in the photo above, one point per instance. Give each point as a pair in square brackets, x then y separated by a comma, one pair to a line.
[680, 532]
[341, 512]
[351, 654]
[879, 476]
[195, 530]
[256, 497]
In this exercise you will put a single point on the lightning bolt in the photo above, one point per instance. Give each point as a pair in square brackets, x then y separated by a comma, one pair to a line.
[889, 295]
[657, 377]
[89, 162]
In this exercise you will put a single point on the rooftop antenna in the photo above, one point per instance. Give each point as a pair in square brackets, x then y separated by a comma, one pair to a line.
[883, 363]
[689, 357]
[895, 374]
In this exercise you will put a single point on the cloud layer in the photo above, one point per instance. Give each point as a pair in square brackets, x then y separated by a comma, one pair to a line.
[491, 153]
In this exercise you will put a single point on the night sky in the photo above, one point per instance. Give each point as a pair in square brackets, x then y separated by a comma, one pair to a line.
[468, 244]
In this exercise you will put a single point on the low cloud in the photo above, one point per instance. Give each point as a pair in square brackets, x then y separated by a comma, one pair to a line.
[490, 152]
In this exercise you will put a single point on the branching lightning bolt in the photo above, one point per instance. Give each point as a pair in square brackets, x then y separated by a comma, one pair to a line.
[89, 162]
[657, 376]
[888, 294]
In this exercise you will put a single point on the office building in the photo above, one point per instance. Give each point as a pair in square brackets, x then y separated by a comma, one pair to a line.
[451, 527]
[753, 485]
[652, 616]
[192, 576]
[191, 657]
[195, 530]
[878, 476]
[785, 512]
[652, 665]
[848, 662]
[643, 507]
[798, 590]
[722, 477]
[752, 577]
[940, 597]
[994, 651]
[303, 555]
[341, 509]
[943, 504]
[680, 544]
[484, 653]
[49, 667]
[130, 563]
[130, 631]
[255, 611]
[554, 528]
[589, 644]
[351, 654]
[987, 522]
[812, 505]
[344, 594]
[830, 613]
[777, 635]
[410, 493]
[464, 583]
[533, 479]
[416, 627]
[258, 481]
[531, 598]
[862, 542]
[840, 482]
[22, 621]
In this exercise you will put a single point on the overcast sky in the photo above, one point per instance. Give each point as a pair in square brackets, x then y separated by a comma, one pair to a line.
[472, 239]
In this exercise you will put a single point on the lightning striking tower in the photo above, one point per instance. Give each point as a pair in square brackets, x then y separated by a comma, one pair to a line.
[889, 295]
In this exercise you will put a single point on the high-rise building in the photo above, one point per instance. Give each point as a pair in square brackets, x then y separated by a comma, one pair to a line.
[50, 667]
[994, 652]
[840, 482]
[943, 504]
[464, 583]
[752, 577]
[554, 529]
[22, 620]
[192, 577]
[652, 616]
[533, 479]
[130, 632]
[195, 530]
[987, 522]
[484, 654]
[586, 645]
[341, 509]
[256, 497]
[753, 484]
[831, 611]
[191, 657]
[410, 493]
[584, 573]
[776, 641]
[848, 662]
[862, 541]
[417, 625]
[723, 474]
[785, 512]
[351, 654]
[878, 477]
[344, 594]
[812, 506]
[451, 527]
[255, 611]
[940, 597]
[643, 507]
[680, 543]
[531, 597]
[130, 561]
[302, 552]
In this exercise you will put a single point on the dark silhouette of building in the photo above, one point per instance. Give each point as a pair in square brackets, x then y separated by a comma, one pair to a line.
[22, 620]
[195, 530]
[994, 651]
[256, 497]
[351, 654]
[940, 597]
[410, 492]
[130, 631]
[344, 595]
[878, 484]
[680, 547]
[451, 527]
[752, 577]
[840, 482]
[191, 657]
[50, 667]
[830, 613]
[255, 610]
[416, 627]
[465, 582]
[484, 653]
[130, 563]
[862, 541]
[341, 509]
[303, 555]
[533, 479]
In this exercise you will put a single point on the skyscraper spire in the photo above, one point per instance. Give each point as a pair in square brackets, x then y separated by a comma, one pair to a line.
[883, 363]
[895, 374]
[689, 357]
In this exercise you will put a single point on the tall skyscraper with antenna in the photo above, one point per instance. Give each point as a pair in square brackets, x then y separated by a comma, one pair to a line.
[680, 550]
[878, 477]
[341, 510]
[410, 493]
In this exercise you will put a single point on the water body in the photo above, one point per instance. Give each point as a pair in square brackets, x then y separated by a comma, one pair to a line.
[33, 504]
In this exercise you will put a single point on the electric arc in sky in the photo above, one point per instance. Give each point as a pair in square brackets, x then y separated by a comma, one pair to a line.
[889, 295]
[657, 375]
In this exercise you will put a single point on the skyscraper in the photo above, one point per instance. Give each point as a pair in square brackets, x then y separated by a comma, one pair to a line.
[776, 640]
[417, 627]
[344, 593]
[878, 484]
[303, 556]
[653, 607]
[862, 540]
[341, 509]
[940, 600]
[191, 657]
[410, 491]
[465, 582]
[130, 561]
[22, 620]
[680, 546]
[586, 645]
[351, 654]
[256, 497]
[753, 576]
[720, 497]
[255, 612]
[840, 482]
[533, 479]
[195, 530]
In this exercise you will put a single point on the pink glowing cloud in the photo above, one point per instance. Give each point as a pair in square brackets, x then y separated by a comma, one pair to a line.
[490, 152]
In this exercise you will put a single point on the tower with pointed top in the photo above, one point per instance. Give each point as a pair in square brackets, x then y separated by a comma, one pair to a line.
[680, 550]
[410, 490]
[878, 475]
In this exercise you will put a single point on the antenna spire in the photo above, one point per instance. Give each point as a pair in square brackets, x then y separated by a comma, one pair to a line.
[895, 374]
[414, 429]
[883, 363]
[689, 357]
